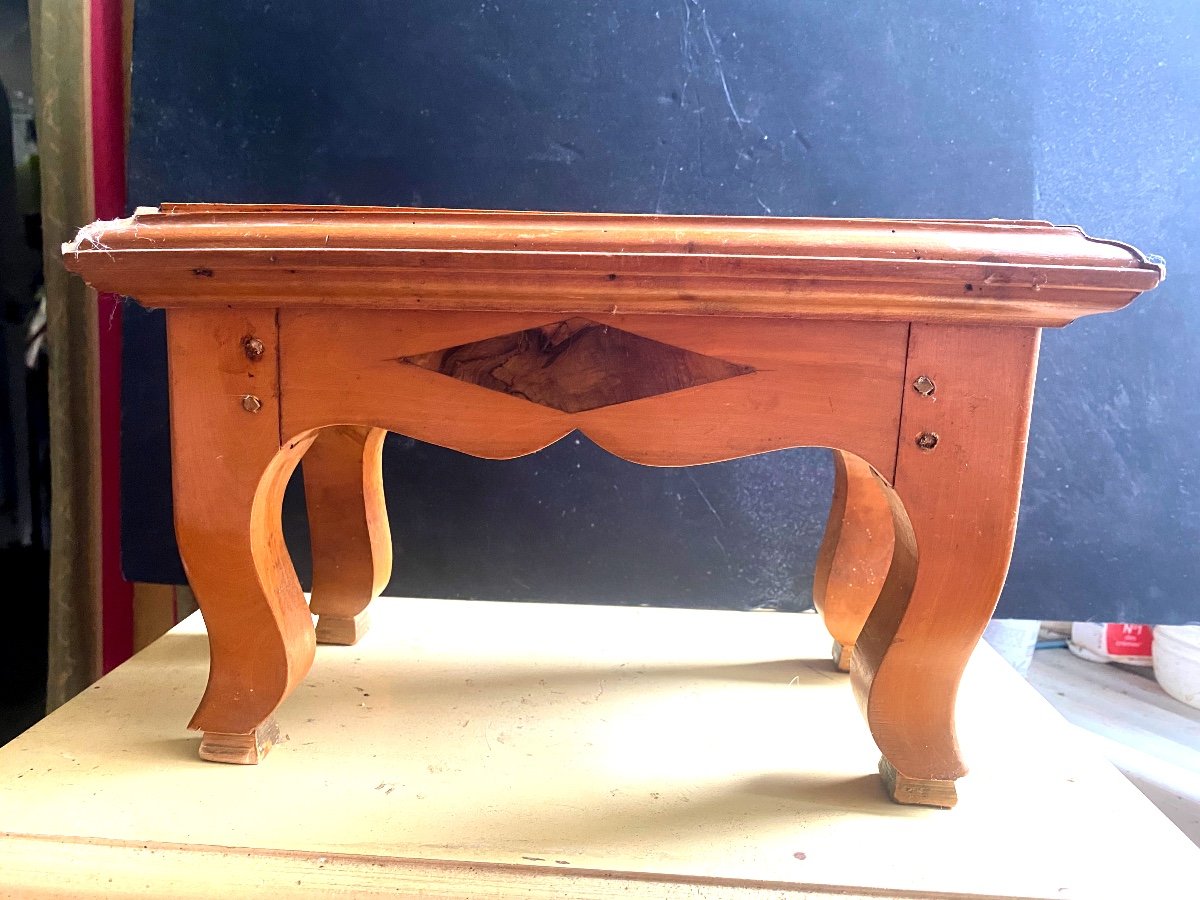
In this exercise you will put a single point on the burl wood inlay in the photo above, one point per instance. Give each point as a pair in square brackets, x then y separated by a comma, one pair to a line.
[907, 347]
[576, 365]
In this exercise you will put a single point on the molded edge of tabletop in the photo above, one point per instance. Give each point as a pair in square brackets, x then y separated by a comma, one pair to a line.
[1020, 272]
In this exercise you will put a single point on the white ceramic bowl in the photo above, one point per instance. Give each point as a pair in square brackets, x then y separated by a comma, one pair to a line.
[1177, 661]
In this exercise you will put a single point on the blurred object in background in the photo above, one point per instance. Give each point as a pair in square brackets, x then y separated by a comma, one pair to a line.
[1112, 642]
[1177, 661]
[1015, 640]
[24, 433]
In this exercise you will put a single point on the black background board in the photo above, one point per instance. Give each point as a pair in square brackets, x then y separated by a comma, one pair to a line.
[1076, 112]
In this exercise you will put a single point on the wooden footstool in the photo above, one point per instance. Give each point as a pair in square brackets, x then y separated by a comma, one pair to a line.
[908, 347]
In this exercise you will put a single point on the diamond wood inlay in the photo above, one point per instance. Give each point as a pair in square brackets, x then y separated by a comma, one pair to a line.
[576, 365]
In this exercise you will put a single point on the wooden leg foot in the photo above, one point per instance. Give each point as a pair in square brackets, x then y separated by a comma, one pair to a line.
[342, 630]
[842, 654]
[240, 749]
[917, 791]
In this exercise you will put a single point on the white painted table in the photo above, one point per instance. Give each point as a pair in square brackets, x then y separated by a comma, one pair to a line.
[503, 750]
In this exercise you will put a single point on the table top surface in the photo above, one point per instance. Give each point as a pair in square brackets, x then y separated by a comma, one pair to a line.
[546, 750]
[1003, 271]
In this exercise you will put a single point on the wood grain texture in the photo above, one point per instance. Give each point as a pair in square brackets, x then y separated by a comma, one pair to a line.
[345, 631]
[954, 514]
[917, 791]
[229, 473]
[814, 384]
[855, 553]
[240, 749]
[348, 528]
[576, 365]
[1014, 272]
[669, 341]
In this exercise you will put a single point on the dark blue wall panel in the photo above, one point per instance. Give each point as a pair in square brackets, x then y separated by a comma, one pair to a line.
[1078, 112]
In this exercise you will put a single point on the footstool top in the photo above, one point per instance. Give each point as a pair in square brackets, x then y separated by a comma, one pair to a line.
[995, 271]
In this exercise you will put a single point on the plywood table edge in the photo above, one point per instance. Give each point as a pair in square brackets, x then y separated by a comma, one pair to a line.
[51, 863]
[154, 868]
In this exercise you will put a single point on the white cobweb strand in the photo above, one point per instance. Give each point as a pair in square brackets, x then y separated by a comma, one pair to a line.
[91, 237]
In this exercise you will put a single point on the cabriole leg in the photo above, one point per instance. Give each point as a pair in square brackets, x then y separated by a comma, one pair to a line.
[347, 519]
[229, 475]
[954, 509]
[854, 555]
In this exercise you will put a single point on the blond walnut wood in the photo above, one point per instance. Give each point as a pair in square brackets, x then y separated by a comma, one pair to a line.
[855, 553]
[348, 526]
[240, 749]
[995, 271]
[841, 654]
[345, 366]
[668, 340]
[954, 511]
[229, 471]
[343, 630]
[917, 791]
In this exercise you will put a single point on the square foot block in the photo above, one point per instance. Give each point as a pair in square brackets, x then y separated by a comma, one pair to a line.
[240, 749]
[917, 791]
[841, 655]
[342, 630]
